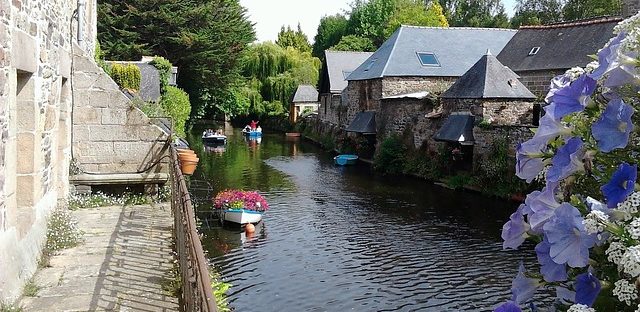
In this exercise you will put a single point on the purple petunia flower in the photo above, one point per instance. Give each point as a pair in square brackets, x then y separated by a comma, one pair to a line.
[515, 230]
[551, 271]
[568, 160]
[550, 127]
[529, 158]
[557, 83]
[606, 56]
[522, 287]
[587, 288]
[572, 98]
[569, 242]
[621, 184]
[614, 126]
[540, 206]
[508, 306]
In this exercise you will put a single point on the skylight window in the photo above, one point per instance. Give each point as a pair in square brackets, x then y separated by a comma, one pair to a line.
[534, 51]
[428, 59]
[370, 64]
[346, 74]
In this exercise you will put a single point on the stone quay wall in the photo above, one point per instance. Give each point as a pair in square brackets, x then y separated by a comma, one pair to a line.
[36, 40]
[332, 110]
[111, 135]
[486, 136]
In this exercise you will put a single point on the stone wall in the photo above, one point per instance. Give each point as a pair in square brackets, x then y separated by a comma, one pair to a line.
[630, 7]
[402, 85]
[486, 136]
[538, 81]
[361, 95]
[332, 110]
[36, 38]
[503, 113]
[111, 135]
[401, 116]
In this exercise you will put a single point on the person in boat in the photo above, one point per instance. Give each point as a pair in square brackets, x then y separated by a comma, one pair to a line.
[247, 128]
[259, 129]
[254, 124]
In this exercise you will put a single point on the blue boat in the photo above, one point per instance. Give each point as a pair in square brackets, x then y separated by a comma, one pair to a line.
[345, 159]
[252, 133]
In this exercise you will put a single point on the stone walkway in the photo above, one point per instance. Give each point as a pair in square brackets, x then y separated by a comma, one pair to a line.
[122, 266]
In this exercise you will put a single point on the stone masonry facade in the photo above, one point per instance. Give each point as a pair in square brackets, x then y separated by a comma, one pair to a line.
[630, 7]
[111, 135]
[36, 40]
[538, 81]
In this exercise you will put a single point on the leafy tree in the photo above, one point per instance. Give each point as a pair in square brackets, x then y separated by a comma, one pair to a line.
[414, 12]
[272, 74]
[475, 13]
[330, 30]
[537, 12]
[580, 9]
[354, 43]
[369, 19]
[204, 38]
[296, 39]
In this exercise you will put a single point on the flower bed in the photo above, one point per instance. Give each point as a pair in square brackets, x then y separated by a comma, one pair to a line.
[585, 221]
[238, 199]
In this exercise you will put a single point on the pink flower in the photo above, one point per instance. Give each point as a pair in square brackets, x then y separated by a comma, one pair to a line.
[250, 200]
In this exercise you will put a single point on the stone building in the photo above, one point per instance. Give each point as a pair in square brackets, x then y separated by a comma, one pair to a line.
[417, 59]
[489, 97]
[305, 99]
[630, 7]
[37, 43]
[150, 78]
[57, 104]
[337, 66]
[539, 53]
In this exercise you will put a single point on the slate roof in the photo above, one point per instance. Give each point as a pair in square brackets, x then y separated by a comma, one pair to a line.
[338, 65]
[305, 94]
[149, 80]
[456, 49]
[363, 122]
[488, 79]
[562, 46]
[457, 128]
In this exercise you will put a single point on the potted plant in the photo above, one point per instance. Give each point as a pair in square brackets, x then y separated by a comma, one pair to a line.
[240, 207]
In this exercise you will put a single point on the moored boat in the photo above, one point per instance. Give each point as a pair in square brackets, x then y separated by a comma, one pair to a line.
[292, 134]
[345, 159]
[252, 133]
[214, 138]
[241, 216]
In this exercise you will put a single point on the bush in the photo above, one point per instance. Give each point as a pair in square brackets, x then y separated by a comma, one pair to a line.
[176, 104]
[391, 156]
[164, 69]
[126, 76]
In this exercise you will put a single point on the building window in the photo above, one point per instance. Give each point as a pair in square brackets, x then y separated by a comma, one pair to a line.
[534, 51]
[428, 59]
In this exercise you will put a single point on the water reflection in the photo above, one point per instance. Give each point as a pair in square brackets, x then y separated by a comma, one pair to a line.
[344, 238]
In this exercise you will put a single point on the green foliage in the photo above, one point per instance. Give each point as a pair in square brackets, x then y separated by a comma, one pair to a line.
[330, 30]
[203, 38]
[126, 76]
[459, 181]
[295, 39]
[537, 12]
[220, 289]
[30, 289]
[391, 156]
[99, 58]
[164, 69]
[62, 233]
[498, 170]
[413, 12]
[475, 13]
[355, 43]
[175, 102]
[581, 9]
[369, 19]
[8, 307]
[272, 75]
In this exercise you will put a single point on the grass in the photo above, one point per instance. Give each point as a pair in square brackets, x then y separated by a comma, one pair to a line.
[30, 289]
[9, 307]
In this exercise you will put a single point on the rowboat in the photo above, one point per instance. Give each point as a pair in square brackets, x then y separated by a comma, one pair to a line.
[214, 138]
[345, 159]
[241, 216]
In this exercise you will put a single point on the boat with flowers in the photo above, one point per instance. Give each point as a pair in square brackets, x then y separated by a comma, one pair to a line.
[240, 207]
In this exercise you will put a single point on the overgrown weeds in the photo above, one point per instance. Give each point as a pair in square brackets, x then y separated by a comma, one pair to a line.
[10, 307]
[99, 199]
[220, 289]
[30, 289]
[62, 233]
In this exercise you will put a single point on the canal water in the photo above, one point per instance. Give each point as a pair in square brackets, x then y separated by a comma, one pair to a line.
[345, 238]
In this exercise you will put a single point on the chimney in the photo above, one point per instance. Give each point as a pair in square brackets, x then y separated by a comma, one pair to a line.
[630, 7]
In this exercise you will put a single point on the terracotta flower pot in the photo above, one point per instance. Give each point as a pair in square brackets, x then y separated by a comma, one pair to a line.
[188, 167]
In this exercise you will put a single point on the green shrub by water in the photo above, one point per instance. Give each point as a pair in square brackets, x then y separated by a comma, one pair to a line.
[126, 76]
[175, 103]
[391, 156]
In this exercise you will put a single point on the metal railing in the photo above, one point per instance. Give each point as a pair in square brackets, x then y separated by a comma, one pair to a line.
[197, 294]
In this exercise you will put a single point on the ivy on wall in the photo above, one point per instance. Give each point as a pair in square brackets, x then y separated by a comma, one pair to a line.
[126, 76]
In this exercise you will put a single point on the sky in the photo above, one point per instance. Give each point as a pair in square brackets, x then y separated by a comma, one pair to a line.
[270, 15]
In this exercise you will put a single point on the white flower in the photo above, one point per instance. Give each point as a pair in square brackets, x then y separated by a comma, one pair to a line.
[629, 207]
[580, 308]
[625, 291]
[634, 228]
[592, 66]
[574, 73]
[615, 252]
[630, 262]
[594, 221]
